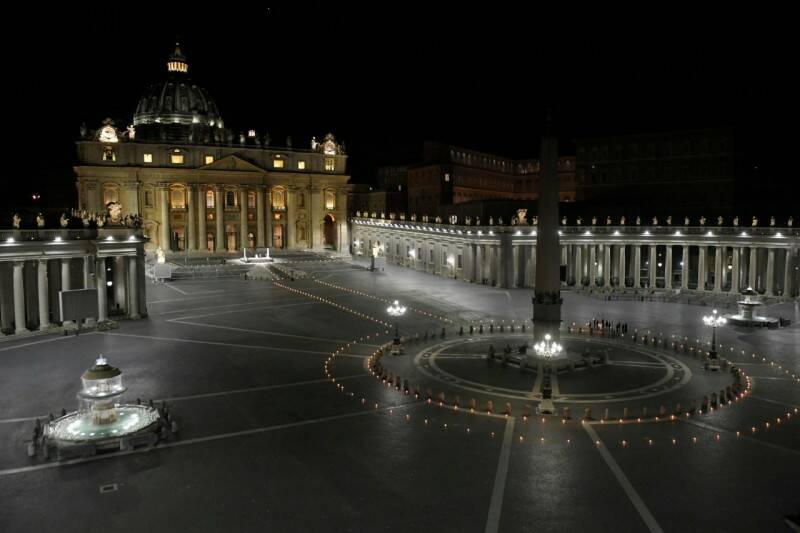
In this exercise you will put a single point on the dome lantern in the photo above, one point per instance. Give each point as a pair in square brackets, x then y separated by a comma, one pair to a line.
[177, 61]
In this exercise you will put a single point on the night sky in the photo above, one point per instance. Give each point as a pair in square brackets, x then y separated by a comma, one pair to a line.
[384, 79]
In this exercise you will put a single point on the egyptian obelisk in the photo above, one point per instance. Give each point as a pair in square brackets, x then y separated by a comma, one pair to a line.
[547, 293]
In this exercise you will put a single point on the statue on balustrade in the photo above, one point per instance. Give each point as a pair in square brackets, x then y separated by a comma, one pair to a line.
[563, 221]
[655, 221]
[40, 221]
[790, 222]
[535, 221]
[772, 221]
[755, 222]
[720, 220]
[608, 221]
[594, 221]
[15, 220]
[669, 220]
[685, 221]
[64, 221]
[702, 220]
[622, 220]
[578, 221]
[638, 221]
[736, 220]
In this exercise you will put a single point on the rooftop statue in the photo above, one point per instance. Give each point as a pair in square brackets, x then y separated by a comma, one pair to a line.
[594, 221]
[15, 220]
[771, 221]
[500, 221]
[64, 221]
[720, 220]
[789, 222]
[608, 221]
[535, 221]
[736, 220]
[579, 220]
[39, 221]
[622, 220]
[702, 220]
[755, 222]
[655, 221]
[522, 216]
[685, 221]
[669, 220]
[638, 221]
[563, 221]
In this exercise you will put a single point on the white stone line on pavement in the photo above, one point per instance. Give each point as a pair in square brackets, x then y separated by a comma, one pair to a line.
[232, 311]
[208, 295]
[50, 339]
[169, 285]
[496, 503]
[197, 440]
[742, 436]
[776, 402]
[622, 479]
[554, 384]
[537, 384]
[213, 394]
[241, 304]
[771, 378]
[259, 332]
[216, 343]
[637, 364]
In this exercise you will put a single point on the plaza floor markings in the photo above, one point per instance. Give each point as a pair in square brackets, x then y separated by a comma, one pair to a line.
[498, 490]
[740, 436]
[776, 402]
[623, 480]
[50, 339]
[171, 286]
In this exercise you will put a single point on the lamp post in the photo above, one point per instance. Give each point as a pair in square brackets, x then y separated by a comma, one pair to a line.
[546, 348]
[713, 320]
[396, 310]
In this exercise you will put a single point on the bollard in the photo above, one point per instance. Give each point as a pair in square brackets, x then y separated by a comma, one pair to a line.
[566, 413]
[587, 413]
[605, 414]
[430, 394]
[440, 397]
[481, 329]
[501, 328]
[625, 413]
[416, 391]
[491, 328]
[526, 411]
[644, 411]
[678, 409]
[471, 329]
[693, 406]
[713, 402]
[662, 411]
[405, 386]
[523, 328]
[729, 392]
[443, 333]
[489, 406]
[461, 330]
[472, 404]
[508, 409]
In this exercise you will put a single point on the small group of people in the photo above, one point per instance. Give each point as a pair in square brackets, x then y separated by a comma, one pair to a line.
[620, 328]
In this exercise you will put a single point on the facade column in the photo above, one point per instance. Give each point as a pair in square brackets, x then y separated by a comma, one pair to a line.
[44, 295]
[719, 251]
[787, 275]
[133, 287]
[202, 232]
[219, 205]
[514, 282]
[88, 283]
[702, 270]
[19, 298]
[653, 266]
[65, 286]
[268, 214]
[479, 270]
[735, 271]
[752, 270]
[260, 217]
[166, 235]
[685, 267]
[577, 271]
[607, 265]
[243, 233]
[190, 234]
[770, 288]
[120, 286]
[668, 268]
[637, 266]
[592, 265]
[533, 267]
[622, 265]
[100, 282]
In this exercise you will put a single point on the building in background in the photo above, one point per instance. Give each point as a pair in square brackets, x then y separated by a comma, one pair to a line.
[197, 186]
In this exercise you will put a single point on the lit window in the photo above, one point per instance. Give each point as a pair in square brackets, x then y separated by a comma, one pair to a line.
[148, 198]
[176, 157]
[301, 165]
[177, 198]
[209, 199]
[209, 159]
[446, 177]
[330, 200]
[108, 154]
[148, 158]
[277, 163]
[251, 200]
[330, 164]
[278, 200]
[110, 194]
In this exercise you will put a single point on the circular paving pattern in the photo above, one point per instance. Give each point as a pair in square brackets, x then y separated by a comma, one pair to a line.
[632, 372]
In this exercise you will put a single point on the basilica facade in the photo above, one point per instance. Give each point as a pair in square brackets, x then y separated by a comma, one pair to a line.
[199, 187]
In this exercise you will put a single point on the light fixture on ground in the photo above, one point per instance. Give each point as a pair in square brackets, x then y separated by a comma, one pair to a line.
[713, 321]
[547, 348]
[396, 310]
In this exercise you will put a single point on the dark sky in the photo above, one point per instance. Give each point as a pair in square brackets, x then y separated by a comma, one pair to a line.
[387, 76]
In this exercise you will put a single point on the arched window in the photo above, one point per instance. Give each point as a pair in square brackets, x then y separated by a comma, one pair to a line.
[251, 200]
[278, 199]
[230, 199]
[209, 199]
[330, 199]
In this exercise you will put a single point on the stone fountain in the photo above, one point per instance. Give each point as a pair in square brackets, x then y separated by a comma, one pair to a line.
[746, 315]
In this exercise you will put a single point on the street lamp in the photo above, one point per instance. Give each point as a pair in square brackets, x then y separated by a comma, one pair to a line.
[396, 310]
[714, 320]
[547, 349]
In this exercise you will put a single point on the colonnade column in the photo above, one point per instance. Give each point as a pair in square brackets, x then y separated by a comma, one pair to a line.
[622, 265]
[243, 233]
[735, 271]
[202, 239]
[719, 251]
[89, 321]
[100, 282]
[637, 266]
[770, 288]
[592, 265]
[190, 234]
[260, 216]
[120, 286]
[44, 294]
[133, 287]
[787, 275]
[702, 272]
[220, 218]
[752, 271]
[166, 240]
[19, 298]
[607, 265]
[65, 286]
[577, 267]
[685, 267]
[668, 268]
[653, 266]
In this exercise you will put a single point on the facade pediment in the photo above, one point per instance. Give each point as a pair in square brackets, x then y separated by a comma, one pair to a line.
[232, 162]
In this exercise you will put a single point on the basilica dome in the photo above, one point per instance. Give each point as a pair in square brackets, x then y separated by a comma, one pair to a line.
[175, 107]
